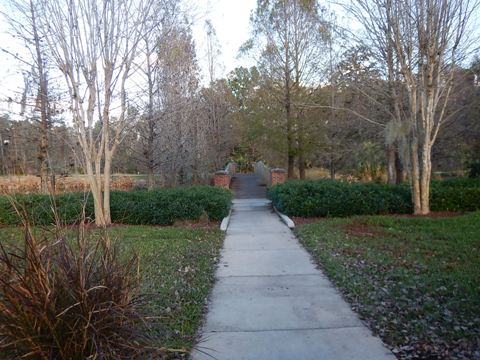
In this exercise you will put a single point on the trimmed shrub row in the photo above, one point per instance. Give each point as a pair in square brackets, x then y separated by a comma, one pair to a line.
[138, 207]
[334, 198]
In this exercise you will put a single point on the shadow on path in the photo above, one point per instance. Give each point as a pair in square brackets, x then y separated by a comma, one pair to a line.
[248, 186]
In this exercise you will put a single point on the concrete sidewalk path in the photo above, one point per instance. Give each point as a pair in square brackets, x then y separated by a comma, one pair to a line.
[270, 302]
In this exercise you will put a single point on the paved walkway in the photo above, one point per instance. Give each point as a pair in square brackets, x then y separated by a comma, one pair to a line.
[270, 302]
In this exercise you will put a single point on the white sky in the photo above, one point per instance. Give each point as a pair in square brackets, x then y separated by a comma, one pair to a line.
[230, 18]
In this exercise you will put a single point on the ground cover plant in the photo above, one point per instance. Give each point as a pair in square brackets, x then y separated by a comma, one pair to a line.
[177, 266]
[336, 198]
[176, 269]
[416, 281]
[136, 207]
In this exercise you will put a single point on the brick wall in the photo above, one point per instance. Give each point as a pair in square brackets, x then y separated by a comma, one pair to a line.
[278, 176]
[221, 179]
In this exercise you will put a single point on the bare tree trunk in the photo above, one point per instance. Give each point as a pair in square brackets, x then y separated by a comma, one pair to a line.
[399, 170]
[150, 153]
[105, 147]
[301, 150]
[301, 165]
[43, 158]
[96, 194]
[150, 178]
[291, 165]
[415, 178]
[2, 155]
[426, 170]
[150, 150]
[332, 168]
[107, 174]
[391, 162]
[290, 144]
[15, 151]
[288, 111]
[42, 103]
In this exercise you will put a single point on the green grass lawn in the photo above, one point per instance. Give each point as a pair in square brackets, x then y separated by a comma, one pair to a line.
[416, 281]
[177, 267]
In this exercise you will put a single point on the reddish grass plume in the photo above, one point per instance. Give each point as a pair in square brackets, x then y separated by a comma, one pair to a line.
[64, 298]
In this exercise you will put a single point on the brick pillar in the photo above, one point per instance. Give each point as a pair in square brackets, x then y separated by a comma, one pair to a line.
[221, 179]
[278, 176]
[233, 166]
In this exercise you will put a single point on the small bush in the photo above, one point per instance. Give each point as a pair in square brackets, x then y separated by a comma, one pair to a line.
[63, 299]
[454, 199]
[165, 206]
[40, 208]
[459, 182]
[335, 198]
[138, 207]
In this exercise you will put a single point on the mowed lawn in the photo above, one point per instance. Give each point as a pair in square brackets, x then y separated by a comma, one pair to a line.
[177, 268]
[416, 281]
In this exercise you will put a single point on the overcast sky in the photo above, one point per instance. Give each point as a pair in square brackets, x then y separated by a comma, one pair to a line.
[230, 19]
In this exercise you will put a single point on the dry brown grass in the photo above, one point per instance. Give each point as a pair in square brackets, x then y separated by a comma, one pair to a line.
[363, 174]
[64, 299]
[317, 174]
[26, 184]
[322, 173]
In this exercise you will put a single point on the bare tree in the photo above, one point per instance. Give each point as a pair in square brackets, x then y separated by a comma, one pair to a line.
[377, 22]
[216, 101]
[24, 21]
[94, 44]
[180, 127]
[422, 43]
[213, 51]
[148, 123]
[165, 16]
[429, 39]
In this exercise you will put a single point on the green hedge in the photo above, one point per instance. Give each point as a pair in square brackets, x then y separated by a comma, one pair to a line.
[139, 207]
[335, 198]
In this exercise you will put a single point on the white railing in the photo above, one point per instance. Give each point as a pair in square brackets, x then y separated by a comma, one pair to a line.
[231, 169]
[263, 171]
[224, 177]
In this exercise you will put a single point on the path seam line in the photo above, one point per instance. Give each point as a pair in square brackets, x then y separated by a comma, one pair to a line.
[287, 329]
